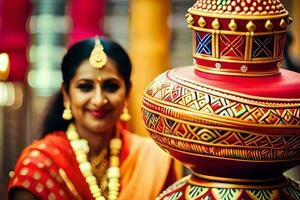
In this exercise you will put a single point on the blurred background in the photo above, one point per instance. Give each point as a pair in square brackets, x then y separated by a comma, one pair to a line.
[34, 35]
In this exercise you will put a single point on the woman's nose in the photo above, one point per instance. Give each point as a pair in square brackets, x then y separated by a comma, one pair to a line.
[98, 98]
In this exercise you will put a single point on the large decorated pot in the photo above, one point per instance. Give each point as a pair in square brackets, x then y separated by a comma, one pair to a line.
[233, 117]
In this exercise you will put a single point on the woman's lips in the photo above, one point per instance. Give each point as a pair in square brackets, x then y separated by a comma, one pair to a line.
[99, 113]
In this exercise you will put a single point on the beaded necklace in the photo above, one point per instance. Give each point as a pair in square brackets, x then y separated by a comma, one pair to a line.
[81, 149]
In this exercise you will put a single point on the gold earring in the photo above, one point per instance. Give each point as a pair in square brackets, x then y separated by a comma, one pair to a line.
[67, 114]
[125, 116]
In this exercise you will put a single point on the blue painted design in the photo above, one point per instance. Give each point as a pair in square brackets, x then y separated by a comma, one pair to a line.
[203, 45]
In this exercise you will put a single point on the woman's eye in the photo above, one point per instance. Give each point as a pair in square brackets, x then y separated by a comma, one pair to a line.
[85, 87]
[111, 87]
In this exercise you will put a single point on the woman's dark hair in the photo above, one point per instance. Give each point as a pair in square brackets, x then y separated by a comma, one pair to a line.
[78, 53]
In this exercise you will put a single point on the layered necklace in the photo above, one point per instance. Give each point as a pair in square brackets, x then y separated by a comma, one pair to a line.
[81, 149]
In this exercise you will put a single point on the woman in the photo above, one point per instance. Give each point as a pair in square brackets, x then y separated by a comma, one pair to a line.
[89, 154]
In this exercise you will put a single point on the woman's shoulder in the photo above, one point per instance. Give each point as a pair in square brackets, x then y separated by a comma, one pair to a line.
[51, 143]
[40, 162]
[41, 151]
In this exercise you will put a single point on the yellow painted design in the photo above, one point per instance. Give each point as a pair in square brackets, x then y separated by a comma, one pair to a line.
[235, 72]
[264, 194]
[215, 24]
[244, 68]
[218, 65]
[232, 25]
[256, 15]
[193, 192]
[268, 25]
[201, 22]
[189, 19]
[226, 193]
[251, 26]
[282, 23]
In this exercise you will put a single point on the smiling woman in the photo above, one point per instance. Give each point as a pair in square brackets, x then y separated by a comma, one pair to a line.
[87, 153]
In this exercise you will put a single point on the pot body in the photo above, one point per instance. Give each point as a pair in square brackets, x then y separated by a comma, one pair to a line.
[232, 132]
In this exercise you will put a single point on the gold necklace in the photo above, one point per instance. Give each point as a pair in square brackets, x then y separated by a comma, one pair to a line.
[81, 149]
[99, 166]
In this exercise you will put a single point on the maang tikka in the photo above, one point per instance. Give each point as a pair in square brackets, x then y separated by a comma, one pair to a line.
[98, 57]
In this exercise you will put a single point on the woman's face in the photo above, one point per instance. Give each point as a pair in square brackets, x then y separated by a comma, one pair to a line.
[97, 97]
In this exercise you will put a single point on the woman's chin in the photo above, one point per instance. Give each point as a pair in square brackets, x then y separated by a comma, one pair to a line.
[101, 125]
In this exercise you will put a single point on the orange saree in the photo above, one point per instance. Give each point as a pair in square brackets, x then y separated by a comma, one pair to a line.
[48, 169]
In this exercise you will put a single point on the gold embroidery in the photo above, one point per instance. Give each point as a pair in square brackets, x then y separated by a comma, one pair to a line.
[26, 161]
[61, 192]
[15, 181]
[51, 196]
[68, 183]
[24, 171]
[42, 146]
[49, 183]
[36, 175]
[35, 153]
[40, 165]
[48, 162]
[55, 176]
[60, 180]
[26, 184]
[99, 166]
[39, 187]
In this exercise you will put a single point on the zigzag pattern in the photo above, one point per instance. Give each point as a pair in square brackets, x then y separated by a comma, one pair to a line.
[168, 126]
[218, 105]
[197, 192]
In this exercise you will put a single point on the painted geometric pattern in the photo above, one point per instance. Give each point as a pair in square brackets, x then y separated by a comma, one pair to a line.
[202, 101]
[175, 186]
[263, 46]
[220, 143]
[203, 43]
[292, 192]
[195, 192]
[174, 196]
[232, 46]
